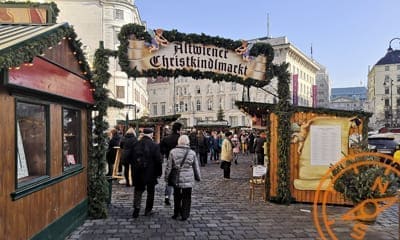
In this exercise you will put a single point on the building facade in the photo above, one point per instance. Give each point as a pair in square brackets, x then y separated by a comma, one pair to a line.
[349, 98]
[200, 100]
[303, 71]
[323, 87]
[384, 90]
[103, 24]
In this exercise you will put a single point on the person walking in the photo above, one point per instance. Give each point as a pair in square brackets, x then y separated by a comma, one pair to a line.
[243, 140]
[127, 145]
[227, 155]
[236, 148]
[185, 159]
[259, 148]
[113, 145]
[147, 167]
[202, 148]
[167, 144]
[193, 140]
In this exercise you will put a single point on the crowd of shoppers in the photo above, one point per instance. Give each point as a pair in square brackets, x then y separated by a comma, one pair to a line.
[142, 159]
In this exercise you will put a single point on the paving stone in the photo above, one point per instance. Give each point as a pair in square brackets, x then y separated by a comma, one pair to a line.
[221, 210]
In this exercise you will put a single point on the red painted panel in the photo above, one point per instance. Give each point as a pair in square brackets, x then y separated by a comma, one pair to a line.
[47, 77]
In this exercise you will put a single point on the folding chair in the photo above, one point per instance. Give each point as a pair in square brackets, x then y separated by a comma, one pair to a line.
[257, 180]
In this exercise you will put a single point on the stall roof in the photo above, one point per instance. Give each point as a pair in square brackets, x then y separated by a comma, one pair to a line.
[14, 34]
[20, 43]
[258, 109]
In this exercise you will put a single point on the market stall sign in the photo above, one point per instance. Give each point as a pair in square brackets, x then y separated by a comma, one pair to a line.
[186, 55]
[157, 52]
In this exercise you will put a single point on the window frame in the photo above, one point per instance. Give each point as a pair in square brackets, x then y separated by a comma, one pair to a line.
[79, 144]
[29, 187]
[120, 91]
[46, 176]
[118, 14]
[154, 108]
[198, 105]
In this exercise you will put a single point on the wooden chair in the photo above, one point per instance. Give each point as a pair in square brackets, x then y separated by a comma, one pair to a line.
[257, 180]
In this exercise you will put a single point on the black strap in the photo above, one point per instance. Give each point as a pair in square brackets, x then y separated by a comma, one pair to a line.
[184, 158]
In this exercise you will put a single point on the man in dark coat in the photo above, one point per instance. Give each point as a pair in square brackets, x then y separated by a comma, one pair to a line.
[193, 140]
[167, 144]
[147, 167]
[259, 148]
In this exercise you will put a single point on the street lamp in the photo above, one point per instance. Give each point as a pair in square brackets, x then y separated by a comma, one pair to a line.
[390, 44]
[390, 81]
[385, 83]
[129, 107]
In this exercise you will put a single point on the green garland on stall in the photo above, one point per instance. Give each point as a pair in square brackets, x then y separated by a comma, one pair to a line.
[52, 7]
[134, 31]
[283, 112]
[268, 143]
[98, 185]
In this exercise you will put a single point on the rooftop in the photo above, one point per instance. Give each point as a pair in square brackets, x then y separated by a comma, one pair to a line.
[391, 57]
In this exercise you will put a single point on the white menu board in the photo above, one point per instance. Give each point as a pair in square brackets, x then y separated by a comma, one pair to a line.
[325, 144]
[22, 166]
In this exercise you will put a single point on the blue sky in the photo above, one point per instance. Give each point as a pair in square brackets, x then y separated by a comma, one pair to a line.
[347, 35]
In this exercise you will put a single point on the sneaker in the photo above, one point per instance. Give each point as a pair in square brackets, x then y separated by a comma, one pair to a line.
[167, 202]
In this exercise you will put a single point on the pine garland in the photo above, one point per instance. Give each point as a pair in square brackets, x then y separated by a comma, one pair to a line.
[283, 111]
[98, 185]
[26, 51]
[129, 30]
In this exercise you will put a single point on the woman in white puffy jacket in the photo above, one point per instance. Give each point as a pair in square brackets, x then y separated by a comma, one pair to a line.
[188, 173]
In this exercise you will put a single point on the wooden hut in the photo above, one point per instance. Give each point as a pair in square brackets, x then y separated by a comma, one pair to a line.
[44, 98]
[304, 168]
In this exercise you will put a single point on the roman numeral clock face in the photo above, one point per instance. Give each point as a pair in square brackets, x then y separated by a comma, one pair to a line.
[353, 168]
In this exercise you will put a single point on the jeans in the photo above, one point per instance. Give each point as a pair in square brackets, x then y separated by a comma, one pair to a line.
[168, 191]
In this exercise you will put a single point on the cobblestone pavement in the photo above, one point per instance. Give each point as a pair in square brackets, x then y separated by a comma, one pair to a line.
[221, 210]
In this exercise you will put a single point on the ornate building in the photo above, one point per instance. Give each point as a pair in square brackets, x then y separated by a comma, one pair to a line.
[323, 87]
[384, 89]
[349, 98]
[103, 24]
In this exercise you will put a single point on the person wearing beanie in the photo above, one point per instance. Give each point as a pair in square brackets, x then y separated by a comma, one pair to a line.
[147, 168]
[167, 144]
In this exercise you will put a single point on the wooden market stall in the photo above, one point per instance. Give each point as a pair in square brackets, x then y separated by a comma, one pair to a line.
[305, 172]
[45, 94]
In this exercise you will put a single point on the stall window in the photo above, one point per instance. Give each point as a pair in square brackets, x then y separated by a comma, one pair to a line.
[32, 139]
[71, 138]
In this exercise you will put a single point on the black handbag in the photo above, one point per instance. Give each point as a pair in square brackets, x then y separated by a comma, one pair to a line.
[173, 177]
